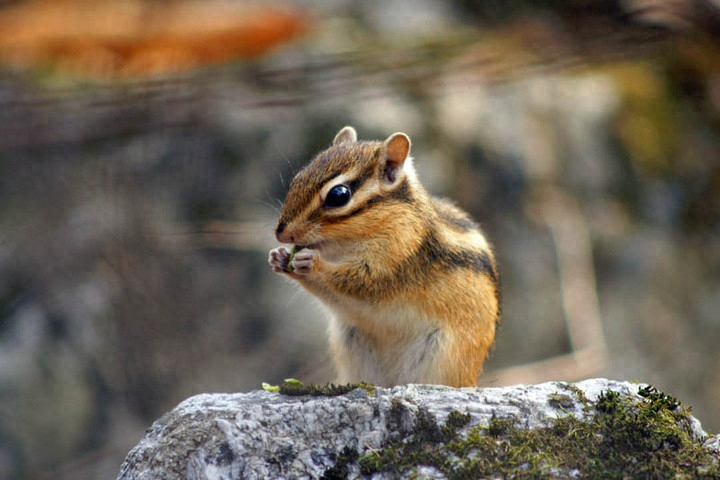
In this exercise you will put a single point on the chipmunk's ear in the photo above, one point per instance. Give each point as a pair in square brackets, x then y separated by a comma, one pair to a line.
[347, 134]
[397, 148]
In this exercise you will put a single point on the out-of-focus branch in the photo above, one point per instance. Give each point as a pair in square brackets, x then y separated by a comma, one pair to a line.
[244, 235]
[556, 35]
[558, 211]
[573, 249]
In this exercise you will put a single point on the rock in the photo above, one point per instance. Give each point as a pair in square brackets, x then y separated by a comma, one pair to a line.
[273, 435]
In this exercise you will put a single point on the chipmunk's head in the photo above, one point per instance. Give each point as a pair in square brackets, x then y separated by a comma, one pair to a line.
[347, 191]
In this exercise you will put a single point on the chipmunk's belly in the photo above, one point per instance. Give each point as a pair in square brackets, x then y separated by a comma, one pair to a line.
[386, 345]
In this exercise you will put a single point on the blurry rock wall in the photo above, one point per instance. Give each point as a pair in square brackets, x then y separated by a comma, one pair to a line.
[137, 204]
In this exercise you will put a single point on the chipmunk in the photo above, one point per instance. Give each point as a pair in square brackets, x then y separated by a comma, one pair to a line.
[410, 279]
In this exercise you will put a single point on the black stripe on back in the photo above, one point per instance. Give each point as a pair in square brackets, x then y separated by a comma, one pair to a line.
[452, 217]
[461, 224]
[435, 253]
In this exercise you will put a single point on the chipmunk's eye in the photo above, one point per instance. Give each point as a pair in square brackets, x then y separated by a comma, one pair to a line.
[338, 196]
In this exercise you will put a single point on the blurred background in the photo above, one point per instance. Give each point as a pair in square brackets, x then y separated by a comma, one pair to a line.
[146, 147]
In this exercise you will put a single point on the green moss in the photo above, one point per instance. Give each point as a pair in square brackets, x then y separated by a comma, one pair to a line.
[296, 388]
[659, 400]
[341, 469]
[579, 394]
[621, 437]
[455, 422]
[561, 401]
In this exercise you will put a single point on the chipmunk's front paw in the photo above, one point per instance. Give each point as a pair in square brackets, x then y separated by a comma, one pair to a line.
[303, 261]
[279, 259]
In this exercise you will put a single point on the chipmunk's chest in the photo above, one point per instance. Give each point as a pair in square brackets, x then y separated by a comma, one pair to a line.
[390, 319]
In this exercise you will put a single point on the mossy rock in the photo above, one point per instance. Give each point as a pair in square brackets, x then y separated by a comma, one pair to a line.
[592, 429]
[620, 437]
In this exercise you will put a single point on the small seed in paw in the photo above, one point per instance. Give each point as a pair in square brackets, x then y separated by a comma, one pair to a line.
[295, 249]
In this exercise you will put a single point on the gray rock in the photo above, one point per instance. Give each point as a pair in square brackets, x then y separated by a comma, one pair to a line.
[260, 434]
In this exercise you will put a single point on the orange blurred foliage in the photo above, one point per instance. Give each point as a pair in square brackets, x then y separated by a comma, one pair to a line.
[135, 38]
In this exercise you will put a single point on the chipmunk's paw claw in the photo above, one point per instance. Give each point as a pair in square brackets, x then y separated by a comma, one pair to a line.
[279, 259]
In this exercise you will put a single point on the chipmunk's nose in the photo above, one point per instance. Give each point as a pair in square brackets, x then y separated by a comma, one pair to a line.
[281, 235]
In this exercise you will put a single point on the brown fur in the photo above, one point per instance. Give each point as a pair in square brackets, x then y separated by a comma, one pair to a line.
[410, 279]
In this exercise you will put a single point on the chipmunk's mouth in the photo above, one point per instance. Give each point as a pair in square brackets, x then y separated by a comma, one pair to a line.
[312, 246]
